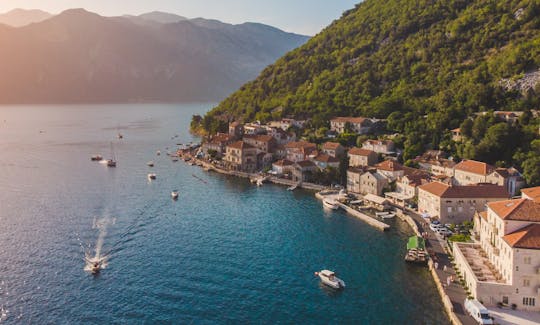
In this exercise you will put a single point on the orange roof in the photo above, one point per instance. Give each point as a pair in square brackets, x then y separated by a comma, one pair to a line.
[348, 119]
[528, 237]
[305, 163]
[259, 137]
[389, 165]
[331, 145]
[475, 167]
[468, 191]
[456, 130]
[300, 144]
[379, 142]
[518, 209]
[483, 215]
[533, 193]
[240, 145]
[326, 158]
[360, 152]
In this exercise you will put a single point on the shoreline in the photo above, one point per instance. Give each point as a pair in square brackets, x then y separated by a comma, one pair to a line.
[445, 299]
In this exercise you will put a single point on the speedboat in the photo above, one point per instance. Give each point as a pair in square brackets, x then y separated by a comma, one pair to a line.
[111, 163]
[174, 195]
[120, 136]
[95, 267]
[330, 279]
[158, 152]
[150, 164]
[96, 158]
[330, 204]
[151, 176]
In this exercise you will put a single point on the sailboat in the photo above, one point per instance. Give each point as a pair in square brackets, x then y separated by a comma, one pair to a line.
[111, 162]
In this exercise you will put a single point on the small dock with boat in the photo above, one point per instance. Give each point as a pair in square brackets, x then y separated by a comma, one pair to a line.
[416, 250]
[334, 197]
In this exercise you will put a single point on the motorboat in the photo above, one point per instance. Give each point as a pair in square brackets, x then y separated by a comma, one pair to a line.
[111, 163]
[152, 176]
[330, 204]
[120, 136]
[158, 152]
[174, 159]
[330, 279]
[174, 195]
[95, 267]
[389, 215]
[96, 158]
[150, 164]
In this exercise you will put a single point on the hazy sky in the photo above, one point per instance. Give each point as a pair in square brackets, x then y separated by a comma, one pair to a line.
[300, 16]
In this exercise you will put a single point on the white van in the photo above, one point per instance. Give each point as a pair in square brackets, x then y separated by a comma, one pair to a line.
[478, 311]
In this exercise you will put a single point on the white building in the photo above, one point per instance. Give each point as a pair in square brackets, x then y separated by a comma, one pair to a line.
[504, 266]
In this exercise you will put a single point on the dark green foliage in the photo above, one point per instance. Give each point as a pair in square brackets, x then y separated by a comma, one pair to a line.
[425, 65]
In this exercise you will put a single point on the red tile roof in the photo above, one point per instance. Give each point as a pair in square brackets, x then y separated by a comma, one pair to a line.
[326, 158]
[260, 137]
[389, 165]
[528, 237]
[240, 145]
[483, 215]
[331, 145]
[475, 167]
[300, 144]
[532, 192]
[360, 152]
[468, 191]
[306, 163]
[518, 210]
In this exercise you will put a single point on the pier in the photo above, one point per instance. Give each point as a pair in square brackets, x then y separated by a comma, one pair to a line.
[364, 217]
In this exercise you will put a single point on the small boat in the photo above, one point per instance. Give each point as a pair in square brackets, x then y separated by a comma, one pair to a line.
[330, 204]
[96, 158]
[95, 268]
[111, 163]
[120, 136]
[151, 176]
[330, 279]
[388, 215]
[381, 214]
[174, 160]
[158, 152]
[150, 164]
[174, 195]
[416, 250]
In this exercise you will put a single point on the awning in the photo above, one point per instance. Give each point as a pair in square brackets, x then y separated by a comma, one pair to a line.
[416, 242]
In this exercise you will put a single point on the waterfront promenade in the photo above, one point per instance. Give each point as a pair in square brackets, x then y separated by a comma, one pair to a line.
[454, 291]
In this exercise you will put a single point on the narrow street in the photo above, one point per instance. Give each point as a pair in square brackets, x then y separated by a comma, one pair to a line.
[455, 291]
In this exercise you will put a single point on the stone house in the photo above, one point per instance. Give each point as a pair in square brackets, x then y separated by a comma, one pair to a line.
[379, 146]
[300, 150]
[263, 142]
[324, 161]
[471, 172]
[282, 166]
[241, 156]
[302, 170]
[504, 266]
[363, 181]
[362, 157]
[333, 149]
[456, 204]
[359, 125]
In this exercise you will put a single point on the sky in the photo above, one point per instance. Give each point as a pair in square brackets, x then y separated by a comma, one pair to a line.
[298, 16]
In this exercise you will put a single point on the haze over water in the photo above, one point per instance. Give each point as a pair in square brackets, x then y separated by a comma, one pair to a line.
[226, 251]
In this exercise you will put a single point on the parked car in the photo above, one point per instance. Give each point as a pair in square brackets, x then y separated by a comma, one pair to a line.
[435, 226]
[443, 231]
[478, 311]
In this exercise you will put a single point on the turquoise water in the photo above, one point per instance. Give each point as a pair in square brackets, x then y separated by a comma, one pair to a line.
[225, 252]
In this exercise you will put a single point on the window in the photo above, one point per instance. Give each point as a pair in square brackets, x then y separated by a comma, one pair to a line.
[505, 300]
[517, 267]
[526, 282]
[529, 301]
[527, 260]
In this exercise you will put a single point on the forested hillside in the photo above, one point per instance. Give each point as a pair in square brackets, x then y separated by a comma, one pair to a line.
[425, 65]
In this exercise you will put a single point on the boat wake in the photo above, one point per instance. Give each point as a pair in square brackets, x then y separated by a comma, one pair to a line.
[94, 258]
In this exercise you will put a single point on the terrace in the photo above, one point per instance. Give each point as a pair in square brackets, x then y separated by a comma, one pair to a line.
[482, 268]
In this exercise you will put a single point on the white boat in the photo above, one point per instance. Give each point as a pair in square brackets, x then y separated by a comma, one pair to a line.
[111, 162]
[174, 195]
[150, 164]
[330, 279]
[330, 204]
[96, 158]
[381, 214]
[388, 215]
[158, 152]
[151, 176]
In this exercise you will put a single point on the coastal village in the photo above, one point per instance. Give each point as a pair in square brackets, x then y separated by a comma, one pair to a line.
[485, 218]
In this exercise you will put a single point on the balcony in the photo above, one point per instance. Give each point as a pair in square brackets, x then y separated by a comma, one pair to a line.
[496, 251]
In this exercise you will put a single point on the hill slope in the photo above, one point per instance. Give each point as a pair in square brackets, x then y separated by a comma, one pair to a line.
[396, 56]
[22, 17]
[78, 56]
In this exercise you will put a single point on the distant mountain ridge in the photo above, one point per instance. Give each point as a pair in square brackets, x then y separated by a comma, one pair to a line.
[79, 56]
[23, 17]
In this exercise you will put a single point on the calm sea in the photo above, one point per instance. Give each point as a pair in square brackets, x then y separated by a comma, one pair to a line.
[225, 252]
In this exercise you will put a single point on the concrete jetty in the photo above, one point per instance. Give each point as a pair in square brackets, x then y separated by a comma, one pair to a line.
[364, 217]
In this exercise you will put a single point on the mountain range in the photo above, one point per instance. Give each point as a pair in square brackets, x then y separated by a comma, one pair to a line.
[81, 57]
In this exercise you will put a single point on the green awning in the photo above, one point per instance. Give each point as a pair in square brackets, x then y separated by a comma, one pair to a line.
[416, 242]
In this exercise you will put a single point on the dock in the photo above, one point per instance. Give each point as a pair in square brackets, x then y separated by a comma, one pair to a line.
[364, 217]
